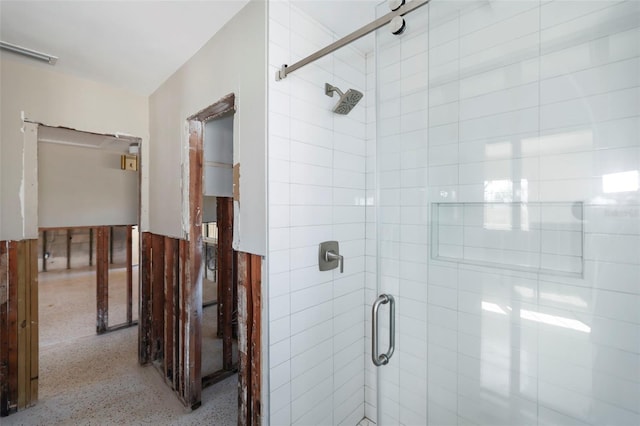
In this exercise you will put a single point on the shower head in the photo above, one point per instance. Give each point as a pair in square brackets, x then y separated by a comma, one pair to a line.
[347, 100]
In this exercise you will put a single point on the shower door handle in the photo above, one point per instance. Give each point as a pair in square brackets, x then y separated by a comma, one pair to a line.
[383, 359]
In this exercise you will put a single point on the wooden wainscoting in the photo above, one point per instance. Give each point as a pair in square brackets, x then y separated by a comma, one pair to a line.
[171, 322]
[18, 325]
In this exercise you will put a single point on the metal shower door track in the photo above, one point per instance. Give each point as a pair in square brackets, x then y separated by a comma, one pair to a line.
[380, 22]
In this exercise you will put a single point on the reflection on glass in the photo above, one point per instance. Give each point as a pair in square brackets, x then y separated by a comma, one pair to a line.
[502, 217]
[620, 182]
[497, 150]
[525, 292]
[554, 320]
[573, 141]
[492, 307]
[564, 298]
[498, 190]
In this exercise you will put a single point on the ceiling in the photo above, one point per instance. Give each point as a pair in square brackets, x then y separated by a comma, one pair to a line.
[137, 45]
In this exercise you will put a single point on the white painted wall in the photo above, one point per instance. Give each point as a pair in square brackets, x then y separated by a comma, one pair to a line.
[233, 61]
[56, 99]
[80, 186]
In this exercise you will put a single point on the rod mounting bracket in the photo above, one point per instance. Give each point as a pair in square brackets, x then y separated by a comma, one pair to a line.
[281, 73]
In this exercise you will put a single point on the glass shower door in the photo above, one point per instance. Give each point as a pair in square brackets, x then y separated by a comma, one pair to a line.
[508, 213]
[403, 217]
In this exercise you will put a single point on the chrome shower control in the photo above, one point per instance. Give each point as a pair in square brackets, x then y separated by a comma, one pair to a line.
[329, 256]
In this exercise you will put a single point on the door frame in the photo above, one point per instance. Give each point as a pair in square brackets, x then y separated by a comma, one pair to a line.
[19, 313]
[248, 272]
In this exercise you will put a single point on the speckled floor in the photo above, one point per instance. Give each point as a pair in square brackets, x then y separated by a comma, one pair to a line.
[211, 344]
[97, 380]
[89, 379]
[67, 302]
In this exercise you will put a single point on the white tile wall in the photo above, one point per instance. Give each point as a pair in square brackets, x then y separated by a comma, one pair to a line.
[317, 182]
[531, 102]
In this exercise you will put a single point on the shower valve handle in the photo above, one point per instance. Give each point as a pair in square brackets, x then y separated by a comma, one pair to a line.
[329, 255]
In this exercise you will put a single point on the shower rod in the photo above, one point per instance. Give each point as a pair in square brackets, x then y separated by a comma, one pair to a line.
[380, 22]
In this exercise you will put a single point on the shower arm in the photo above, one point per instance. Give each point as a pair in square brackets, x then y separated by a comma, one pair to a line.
[329, 89]
[372, 26]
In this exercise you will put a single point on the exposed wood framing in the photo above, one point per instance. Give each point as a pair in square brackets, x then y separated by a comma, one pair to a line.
[234, 319]
[32, 280]
[163, 337]
[18, 325]
[5, 346]
[225, 277]
[111, 244]
[69, 237]
[13, 324]
[23, 341]
[181, 316]
[227, 282]
[171, 288]
[225, 106]
[90, 246]
[256, 339]
[144, 311]
[44, 252]
[103, 254]
[219, 293]
[171, 247]
[102, 279]
[157, 291]
[249, 339]
[192, 288]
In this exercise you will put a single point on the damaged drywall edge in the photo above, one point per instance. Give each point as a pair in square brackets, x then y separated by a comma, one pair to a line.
[184, 184]
[21, 190]
[29, 184]
[236, 225]
[236, 182]
[236, 207]
[21, 197]
[21, 194]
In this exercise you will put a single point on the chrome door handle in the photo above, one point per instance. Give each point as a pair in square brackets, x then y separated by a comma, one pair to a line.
[383, 359]
[329, 255]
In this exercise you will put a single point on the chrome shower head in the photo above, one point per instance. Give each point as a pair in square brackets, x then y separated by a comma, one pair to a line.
[347, 100]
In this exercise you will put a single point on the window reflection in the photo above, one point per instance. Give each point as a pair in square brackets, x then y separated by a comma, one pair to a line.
[573, 141]
[620, 182]
[498, 150]
[498, 191]
[505, 216]
[493, 307]
[565, 299]
[555, 320]
[540, 317]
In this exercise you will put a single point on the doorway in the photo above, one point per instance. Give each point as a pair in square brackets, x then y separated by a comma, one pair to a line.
[68, 282]
[212, 174]
[88, 210]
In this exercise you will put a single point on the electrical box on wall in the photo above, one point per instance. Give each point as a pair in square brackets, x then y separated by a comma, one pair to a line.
[129, 162]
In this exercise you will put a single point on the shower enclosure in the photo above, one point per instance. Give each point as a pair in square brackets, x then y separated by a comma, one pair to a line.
[486, 197]
[508, 150]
